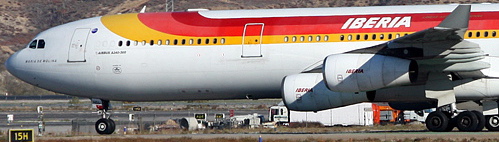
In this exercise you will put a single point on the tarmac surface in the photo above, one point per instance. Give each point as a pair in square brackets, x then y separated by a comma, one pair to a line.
[61, 122]
[62, 118]
[64, 121]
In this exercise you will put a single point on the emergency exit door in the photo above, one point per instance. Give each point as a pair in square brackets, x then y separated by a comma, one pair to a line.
[252, 40]
[78, 45]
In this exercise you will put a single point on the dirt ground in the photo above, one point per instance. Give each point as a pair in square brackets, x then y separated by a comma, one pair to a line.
[374, 137]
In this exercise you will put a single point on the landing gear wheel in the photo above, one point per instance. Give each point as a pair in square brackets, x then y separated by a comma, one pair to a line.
[467, 121]
[492, 122]
[105, 126]
[437, 122]
[451, 125]
[113, 126]
[481, 121]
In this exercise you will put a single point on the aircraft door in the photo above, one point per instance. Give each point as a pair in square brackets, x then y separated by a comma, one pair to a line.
[252, 40]
[78, 45]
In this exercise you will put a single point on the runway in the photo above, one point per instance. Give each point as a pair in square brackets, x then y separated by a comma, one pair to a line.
[64, 121]
[59, 123]
[60, 116]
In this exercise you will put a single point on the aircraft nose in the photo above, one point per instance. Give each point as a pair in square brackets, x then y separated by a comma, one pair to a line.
[12, 64]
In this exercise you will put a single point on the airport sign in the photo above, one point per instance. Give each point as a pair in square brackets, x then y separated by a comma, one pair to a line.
[21, 135]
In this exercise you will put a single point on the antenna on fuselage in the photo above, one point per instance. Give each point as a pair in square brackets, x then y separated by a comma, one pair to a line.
[169, 6]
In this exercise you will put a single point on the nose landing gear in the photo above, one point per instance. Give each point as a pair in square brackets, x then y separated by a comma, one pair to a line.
[105, 125]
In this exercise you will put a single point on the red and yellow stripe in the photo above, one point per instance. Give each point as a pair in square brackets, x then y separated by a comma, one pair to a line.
[191, 25]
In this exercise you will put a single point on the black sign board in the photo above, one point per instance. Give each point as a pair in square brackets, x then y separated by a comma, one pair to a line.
[137, 109]
[200, 116]
[219, 116]
[21, 135]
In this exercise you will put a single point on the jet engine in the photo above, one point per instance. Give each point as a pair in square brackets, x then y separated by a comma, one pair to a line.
[307, 92]
[366, 72]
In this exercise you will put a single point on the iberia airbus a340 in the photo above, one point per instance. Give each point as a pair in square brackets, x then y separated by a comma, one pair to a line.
[414, 57]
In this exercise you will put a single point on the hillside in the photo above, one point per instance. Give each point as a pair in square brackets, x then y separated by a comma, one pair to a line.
[20, 20]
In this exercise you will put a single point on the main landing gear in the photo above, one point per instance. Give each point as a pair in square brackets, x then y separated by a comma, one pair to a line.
[492, 122]
[105, 125]
[445, 119]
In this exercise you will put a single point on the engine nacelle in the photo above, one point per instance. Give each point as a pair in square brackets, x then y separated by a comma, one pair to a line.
[307, 92]
[366, 72]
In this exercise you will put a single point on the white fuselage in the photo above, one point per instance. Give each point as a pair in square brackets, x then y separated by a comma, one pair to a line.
[169, 72]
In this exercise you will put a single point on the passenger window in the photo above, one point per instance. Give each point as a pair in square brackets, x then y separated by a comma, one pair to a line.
[342, 37]
[293, 39]
[207, 41]
[136, 43]
[326, 38]
[159, 42]
[175, 42]
[151, 42]
[397, 35]
[470, 34]
[191, 41]
[357, 37]
[199, 41]
[374, 36]
[318, 38]
[167, 42]
[389, 36]
[366, 36]
[494, 33]
[477, 34]
[222, 40]
[120, 43]
[215, 41]
[41, 44]
[127, 43]
[302, 38]
[143, 43]
[382, 36]
[486, 34]
[349, 37]
[310, 38]
[183, 41]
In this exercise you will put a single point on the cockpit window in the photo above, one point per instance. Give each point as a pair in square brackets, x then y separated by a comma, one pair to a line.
[32, 45]
[37, 44]
[41, 44]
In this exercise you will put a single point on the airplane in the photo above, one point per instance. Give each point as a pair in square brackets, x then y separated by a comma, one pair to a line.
[414, 57]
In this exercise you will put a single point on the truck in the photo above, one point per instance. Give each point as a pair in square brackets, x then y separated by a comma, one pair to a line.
[357, 114]
[362, 114]
[279, 115]
[384, 114]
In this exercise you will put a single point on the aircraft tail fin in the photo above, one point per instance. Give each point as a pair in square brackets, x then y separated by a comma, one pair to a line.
[143, 9]
[458, 19]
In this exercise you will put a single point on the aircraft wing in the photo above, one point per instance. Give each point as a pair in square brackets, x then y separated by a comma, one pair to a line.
[442, 47]
[439, 49]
